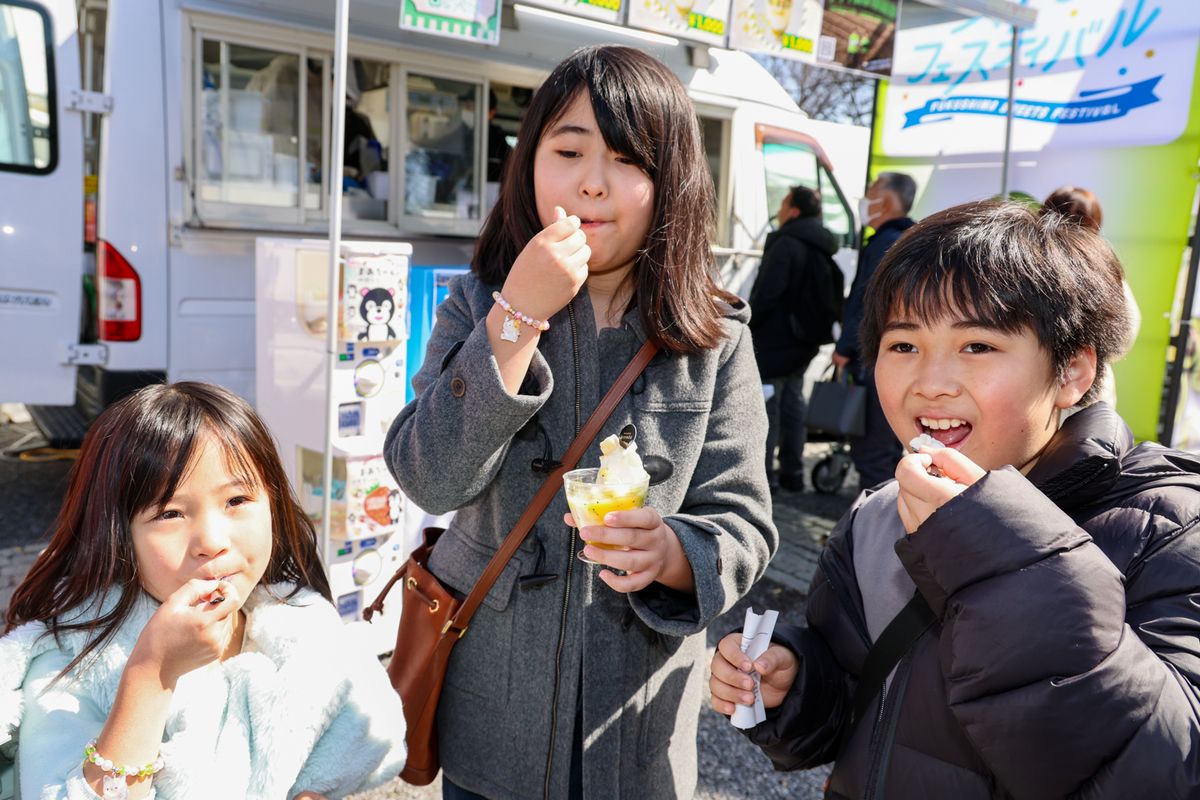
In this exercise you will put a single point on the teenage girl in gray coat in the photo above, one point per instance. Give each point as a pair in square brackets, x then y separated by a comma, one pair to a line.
[577, 680]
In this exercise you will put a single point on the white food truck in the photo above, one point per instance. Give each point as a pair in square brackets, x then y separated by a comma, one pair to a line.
[170, 134]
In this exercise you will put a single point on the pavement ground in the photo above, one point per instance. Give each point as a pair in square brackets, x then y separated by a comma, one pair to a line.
[32, 487]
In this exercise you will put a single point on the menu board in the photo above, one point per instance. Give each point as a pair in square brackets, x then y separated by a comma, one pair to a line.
[859, 35]
[788, 28]
[699, 20]
[469, 20]
[604, 10]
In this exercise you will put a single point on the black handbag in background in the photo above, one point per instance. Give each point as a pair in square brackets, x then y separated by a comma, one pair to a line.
[837, 406]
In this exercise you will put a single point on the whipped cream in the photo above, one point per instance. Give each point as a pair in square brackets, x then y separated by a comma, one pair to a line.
[620, 464]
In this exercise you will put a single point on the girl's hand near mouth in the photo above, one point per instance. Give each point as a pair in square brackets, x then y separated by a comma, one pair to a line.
[551, 269]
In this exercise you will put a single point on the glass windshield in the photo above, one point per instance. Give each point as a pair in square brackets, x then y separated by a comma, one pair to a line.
[788, 164]
[26, 111]
[250, 144]
[439, 167]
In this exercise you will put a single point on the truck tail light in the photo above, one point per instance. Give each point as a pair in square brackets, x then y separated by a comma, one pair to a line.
[119, 296]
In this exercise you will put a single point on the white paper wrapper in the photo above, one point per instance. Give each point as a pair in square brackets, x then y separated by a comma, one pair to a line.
[756, 636]
[924, 440]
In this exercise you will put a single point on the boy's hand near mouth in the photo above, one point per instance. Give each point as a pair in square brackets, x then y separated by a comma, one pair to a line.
[922, 493]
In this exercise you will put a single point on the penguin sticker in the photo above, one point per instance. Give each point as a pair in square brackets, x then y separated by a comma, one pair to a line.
[377, 309]
[394, 507]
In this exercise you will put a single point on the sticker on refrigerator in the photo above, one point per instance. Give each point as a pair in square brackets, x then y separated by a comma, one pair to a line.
[374, 299]
[348, 605]
[374, 503]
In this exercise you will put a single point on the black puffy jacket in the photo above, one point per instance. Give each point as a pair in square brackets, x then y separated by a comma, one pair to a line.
[1066, 657]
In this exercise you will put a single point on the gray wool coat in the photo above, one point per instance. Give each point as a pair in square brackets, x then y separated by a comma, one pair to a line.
[543, 655]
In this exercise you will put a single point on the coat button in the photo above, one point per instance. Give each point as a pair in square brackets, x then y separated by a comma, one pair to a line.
[458, 387]
[720, 566]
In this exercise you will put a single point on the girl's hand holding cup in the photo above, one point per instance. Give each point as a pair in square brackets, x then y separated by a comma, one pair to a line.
[641, 545]
[192, 628]
[551, 269]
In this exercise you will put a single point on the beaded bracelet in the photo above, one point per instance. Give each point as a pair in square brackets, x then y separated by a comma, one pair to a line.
[513, 319]
[115, 784]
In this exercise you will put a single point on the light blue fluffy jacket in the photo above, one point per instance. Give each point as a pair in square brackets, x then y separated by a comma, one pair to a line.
[305, 705]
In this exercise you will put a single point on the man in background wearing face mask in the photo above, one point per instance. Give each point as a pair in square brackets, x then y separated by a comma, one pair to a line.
[885, 209]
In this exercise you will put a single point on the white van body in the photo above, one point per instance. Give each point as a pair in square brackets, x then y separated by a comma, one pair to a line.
[196, 266]
[41, 208]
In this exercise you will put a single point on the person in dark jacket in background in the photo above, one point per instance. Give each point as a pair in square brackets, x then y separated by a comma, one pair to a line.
[796, 298]
[885, 209]
[1059, 564]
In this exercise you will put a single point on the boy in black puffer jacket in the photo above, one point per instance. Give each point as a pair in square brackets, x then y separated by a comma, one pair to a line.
[1060, 562]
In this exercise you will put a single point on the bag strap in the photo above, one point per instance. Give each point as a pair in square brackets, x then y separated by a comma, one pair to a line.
[896, 640]
[553, 483]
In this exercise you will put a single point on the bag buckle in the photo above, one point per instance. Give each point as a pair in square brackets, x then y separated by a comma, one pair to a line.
[449, 624]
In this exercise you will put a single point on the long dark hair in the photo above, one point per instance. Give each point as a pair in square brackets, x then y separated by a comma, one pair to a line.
[644, 114]
[132, 459]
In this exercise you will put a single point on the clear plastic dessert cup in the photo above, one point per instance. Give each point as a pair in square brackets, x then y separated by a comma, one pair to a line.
[590, 501]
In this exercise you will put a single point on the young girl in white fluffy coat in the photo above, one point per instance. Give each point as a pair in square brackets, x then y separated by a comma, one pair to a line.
[176, 639]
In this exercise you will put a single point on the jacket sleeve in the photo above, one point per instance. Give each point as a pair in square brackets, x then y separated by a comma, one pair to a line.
[447, 444]
[804, 730]
[363, 746]
[1068, 677]
[774, 275]
[724, 523]
[58, 722]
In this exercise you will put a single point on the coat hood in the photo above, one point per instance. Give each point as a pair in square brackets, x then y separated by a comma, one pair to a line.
[1093, 459]
[736, 311]
[809, 231]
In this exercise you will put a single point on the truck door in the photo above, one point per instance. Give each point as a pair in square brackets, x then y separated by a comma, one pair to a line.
[41, 201]
[791, 158]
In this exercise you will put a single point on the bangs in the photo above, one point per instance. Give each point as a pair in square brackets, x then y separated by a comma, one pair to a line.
[625, 131]
[944, 293]
[617, 127]
[170, 449]
[631, 108]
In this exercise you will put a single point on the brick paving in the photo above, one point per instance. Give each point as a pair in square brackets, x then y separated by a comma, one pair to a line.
[14, 563]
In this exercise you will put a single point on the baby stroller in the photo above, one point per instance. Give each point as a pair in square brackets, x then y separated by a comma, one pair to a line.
[836, 410]
[829, 473]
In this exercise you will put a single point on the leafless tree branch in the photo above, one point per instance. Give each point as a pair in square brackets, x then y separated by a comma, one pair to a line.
[822, 93]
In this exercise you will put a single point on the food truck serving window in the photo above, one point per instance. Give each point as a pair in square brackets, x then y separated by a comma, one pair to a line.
[424, 145]
[790, 159]
[441, 156]
[28, 138]
[260, 136]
